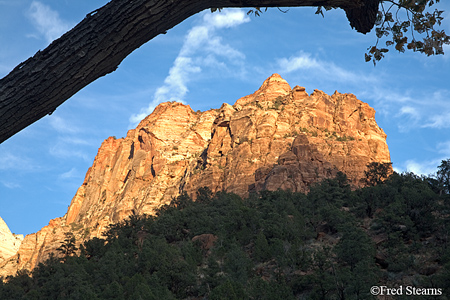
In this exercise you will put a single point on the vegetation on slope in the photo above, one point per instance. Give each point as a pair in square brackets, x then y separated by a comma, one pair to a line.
[333, 243]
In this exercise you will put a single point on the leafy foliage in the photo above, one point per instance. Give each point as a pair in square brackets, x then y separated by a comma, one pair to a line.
[326, 244]
[403, 24]
[406, 24]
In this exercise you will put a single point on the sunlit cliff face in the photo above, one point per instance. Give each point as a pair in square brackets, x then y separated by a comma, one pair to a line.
[277, 137]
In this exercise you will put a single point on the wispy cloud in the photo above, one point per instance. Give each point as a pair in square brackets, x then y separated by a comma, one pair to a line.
[440, 105]
[61, 125]
[14, 167]
[414, 109]
[67, 150]
[444, 149]
[72, 141]
[410, 115]
[435, 108]
[411, 109]
[202, 49]
[10, 184]
[428, 167]
[320, 68]
[422, 168]
[10, 161]
[298, 62]
[439, 121]
[47, 21]
[73, 173]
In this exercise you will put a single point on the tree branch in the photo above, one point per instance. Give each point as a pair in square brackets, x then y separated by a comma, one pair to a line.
[96, 47]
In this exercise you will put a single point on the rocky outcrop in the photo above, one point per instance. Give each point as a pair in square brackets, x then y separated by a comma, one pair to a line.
[9, 242]
[278, 137]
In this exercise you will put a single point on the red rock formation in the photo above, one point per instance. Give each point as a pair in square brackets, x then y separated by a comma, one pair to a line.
[283, 138]
[277, 137]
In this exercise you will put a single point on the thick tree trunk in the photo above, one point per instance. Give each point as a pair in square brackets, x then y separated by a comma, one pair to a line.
[97, 45]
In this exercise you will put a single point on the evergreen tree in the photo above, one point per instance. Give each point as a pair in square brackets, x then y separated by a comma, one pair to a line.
[443, 176]
[68, 247]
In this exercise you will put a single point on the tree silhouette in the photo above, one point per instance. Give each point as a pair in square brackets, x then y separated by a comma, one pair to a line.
[443, 176]
[376, 173]
[68, 247]
[274, 260]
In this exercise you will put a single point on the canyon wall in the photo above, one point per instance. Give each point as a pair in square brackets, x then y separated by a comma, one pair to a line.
[9, 242]
[277, 137]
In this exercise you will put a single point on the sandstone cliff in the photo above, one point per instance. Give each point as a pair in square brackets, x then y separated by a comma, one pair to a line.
[9, 242]
[277, 137]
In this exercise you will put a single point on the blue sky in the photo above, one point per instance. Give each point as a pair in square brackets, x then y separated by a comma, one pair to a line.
[205, 61]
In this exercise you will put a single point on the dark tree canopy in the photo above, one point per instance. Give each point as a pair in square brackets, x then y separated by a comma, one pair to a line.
[443, 176]
[99, 43]
[272, 245]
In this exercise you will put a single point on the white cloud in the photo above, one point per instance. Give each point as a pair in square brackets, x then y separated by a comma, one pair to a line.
[66, 150]
[437, 109]
[61, 125]
[428, 167]
[47, 21]
[439, 121]
[444, 149]
[422, 168]
[71, 141]
[299, 62]
[174, 88]
[226, 18]
[430, 110]
[321, 69]
[10, 184]
[409, 116]
[73, 173]
[202, 49]
[10, 161]
[411, 109]
[215, 46]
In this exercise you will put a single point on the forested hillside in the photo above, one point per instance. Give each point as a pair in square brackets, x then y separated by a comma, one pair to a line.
[332, 243]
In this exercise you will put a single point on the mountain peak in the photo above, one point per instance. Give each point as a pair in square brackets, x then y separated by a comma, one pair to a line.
[273, 87]
[275, 138]
[275, 78]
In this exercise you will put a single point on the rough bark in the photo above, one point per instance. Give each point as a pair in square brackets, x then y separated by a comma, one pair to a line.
[97, 45]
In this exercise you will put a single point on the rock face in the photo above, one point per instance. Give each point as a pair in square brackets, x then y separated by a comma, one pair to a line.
[9, 242]
[277, 137]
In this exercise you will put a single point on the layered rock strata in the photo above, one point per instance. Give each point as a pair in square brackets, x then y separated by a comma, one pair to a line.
[277, 137]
